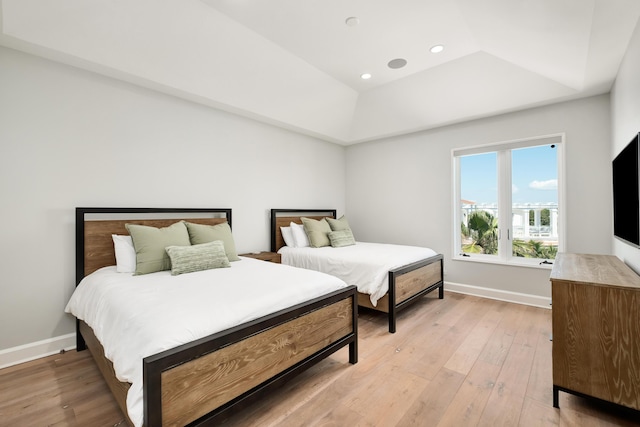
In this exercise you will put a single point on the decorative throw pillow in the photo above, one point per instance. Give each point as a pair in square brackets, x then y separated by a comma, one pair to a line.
[338, 224]
[341, 238]
[149, 243]
[317, 231]
[203, 233]
[125, 253]
[300, 238]
[287, 236]
[205, 256]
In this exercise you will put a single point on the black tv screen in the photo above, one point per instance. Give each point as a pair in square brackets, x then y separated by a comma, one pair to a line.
[626, 193]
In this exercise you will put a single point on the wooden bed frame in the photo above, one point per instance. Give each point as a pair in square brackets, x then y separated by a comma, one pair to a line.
[209, 379]
[406, 283]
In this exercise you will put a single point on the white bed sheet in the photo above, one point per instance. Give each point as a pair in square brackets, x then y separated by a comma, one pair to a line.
[137, 316]
[365, 265]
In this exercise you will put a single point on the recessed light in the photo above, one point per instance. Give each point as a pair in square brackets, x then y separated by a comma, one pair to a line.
[397, 63]
[352, 21]
[365, 76]
[437, 48]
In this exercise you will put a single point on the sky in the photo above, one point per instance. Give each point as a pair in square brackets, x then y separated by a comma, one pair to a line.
[534, 176]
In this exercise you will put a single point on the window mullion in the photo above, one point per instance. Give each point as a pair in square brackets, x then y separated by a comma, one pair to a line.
[504, 205]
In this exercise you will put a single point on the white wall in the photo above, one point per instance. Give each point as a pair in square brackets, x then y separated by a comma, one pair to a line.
[625, 123]
[72, 138]
[399, 189]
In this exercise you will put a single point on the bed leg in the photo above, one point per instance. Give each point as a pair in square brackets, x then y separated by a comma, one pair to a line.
[392, 302]
[441, 291]
[353, 352]
[392, 320]
[353, 346]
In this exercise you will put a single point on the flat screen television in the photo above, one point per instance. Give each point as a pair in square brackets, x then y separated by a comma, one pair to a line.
[626, 193]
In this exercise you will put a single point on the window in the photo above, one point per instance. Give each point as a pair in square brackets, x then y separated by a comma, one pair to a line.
[507, 203]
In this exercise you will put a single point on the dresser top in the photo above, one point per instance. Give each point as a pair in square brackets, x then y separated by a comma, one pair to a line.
[604, 270]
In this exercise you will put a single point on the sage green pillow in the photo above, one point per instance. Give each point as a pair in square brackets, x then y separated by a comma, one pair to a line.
[205, 256]
[341, 238]
[149, 243]
[203, 233]
[338, 224]
[317, 231]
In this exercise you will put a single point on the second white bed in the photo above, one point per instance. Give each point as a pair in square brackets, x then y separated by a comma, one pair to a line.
[365, 265]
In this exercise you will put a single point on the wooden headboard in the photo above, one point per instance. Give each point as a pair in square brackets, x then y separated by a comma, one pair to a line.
[94, 227]
[282, 218]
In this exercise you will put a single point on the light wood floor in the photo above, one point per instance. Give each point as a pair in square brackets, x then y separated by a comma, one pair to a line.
[461, 361]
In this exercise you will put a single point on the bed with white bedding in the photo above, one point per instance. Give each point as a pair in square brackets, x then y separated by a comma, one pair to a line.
[193, 348]
[388, 277]
[365, 265]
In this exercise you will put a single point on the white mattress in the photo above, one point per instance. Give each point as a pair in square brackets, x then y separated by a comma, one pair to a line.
[138, 316]
[365, 265]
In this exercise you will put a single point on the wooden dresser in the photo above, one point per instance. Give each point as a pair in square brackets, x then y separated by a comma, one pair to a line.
[596, 328]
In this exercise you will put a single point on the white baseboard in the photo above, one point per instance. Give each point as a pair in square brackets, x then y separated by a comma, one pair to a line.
[27, 352]
[500, 295]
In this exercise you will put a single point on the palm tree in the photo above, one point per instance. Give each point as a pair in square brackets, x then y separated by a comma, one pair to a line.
[540, 250]
[521, 248]
[482, 232]
[534, 249]
[481, 237]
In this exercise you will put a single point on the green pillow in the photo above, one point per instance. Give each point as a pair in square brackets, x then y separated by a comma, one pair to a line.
[341, 238]
[338, 224]
[203, 233]
[205, 256]
[317, 231]
[149, 243]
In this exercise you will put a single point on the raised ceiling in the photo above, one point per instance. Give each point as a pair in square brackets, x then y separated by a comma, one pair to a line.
[297, 63]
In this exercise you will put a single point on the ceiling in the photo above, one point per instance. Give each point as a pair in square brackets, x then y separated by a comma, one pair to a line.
[297, 63]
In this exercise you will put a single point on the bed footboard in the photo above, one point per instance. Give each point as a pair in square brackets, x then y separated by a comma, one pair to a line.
[406, 285]
[214, 377]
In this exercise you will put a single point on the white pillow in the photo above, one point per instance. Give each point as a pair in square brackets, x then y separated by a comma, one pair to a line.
[299, 235]
[287, 235]
[125, 254]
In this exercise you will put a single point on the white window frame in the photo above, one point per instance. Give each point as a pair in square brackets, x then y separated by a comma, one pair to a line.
[505, 232]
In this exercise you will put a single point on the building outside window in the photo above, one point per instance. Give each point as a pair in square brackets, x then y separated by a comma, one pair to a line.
[508, 201]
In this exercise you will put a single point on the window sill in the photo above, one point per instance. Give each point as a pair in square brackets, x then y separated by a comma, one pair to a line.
[514, 262]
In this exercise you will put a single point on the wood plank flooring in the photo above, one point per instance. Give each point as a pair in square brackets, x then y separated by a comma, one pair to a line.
[460, 361]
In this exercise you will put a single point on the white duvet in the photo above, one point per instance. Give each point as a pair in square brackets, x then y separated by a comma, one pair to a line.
[365, 265]
[137, 316]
